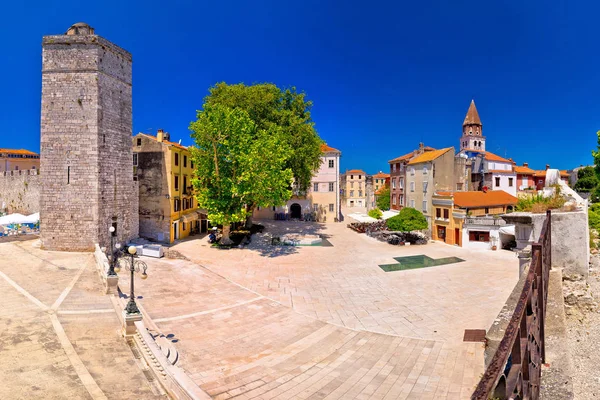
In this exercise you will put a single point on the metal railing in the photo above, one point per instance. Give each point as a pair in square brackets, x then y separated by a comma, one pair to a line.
[485, 221]
[515, 369]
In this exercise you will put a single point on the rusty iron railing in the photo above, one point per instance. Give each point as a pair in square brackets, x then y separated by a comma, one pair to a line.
[515, 369]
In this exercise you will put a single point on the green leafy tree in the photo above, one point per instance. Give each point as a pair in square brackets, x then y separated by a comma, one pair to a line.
[269, 106]
[586, 184]
[586, 172]
[375, 213]
[408, 219]
[383, 199]
[596, 155]
[230, 167]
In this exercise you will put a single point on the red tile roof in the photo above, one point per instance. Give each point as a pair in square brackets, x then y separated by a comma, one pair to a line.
[524, 170]
[410, 155]
[356, 171]
[22, 152]
[429, 156]
[483, 199]
[472, 117]
[326, 149]
[380, 175]
[165, 141]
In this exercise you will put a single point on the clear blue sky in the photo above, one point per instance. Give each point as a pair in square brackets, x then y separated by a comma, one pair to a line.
[383, 75]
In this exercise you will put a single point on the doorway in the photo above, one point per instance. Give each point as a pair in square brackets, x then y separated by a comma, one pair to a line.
[296, 211]
[457, 236]
[441, 231]
[176, 230]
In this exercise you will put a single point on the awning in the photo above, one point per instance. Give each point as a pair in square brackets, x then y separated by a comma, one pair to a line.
[190, 217]
[508, 230]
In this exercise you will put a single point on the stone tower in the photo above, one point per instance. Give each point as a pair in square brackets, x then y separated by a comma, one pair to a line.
[472, 133]
[86, 156]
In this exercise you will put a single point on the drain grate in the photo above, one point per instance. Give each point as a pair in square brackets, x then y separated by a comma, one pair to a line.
[474, 335]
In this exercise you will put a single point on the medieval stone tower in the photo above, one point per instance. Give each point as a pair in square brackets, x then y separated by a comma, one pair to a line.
[86, 156]
[472, 135]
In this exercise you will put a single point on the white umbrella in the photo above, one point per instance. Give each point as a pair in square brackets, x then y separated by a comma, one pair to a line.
[32, 219]
[15, 218]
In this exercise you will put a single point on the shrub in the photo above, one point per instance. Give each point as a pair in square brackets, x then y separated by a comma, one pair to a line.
[375, 213]
[539, 204]
[586, 184]
[408, 219]
[594, 220]
[383, 199]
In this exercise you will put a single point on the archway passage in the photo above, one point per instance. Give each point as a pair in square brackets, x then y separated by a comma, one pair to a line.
[296, 211]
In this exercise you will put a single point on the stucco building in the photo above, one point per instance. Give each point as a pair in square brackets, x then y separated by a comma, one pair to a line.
[355, 188]
[398, 176]
[322, 200]
[86, 157]
[18, 159]
[164, 171]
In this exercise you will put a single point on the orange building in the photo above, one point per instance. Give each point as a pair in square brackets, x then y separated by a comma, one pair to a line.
[14, 160]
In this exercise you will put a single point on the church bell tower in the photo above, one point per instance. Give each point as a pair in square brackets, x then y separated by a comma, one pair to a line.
[472, 133]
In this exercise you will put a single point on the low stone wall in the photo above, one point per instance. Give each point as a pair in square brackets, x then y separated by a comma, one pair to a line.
[20, 191]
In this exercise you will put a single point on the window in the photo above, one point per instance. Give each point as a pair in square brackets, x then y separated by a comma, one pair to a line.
[330, 163]
[360, 193]
[183, 226]
[510, 182]
[331, 188]
[394, 200]
[176, 182]
[412, 203]
[401, 183]
[424, 205]
[446, 213]
[352, 193]
[351, 184]
[497, 181]
[401, 167]
[176, 159]
[191, 164]
[425, 184]
[135, 159]
[139, 141]
[401, 199]
[393, 183]
[487, 210]
[316, 207]
[16, 167]
[185, 161]
[184, 184]
[540, 181]
[412, 186]
[177, 204]
[360, 177]
[478, 236]
[438, 213]
[351, 176]
[68, 175]
[412, 171]
[459, 187]
[393, 167]
[424, 170]
[315, 187]
[331, 206]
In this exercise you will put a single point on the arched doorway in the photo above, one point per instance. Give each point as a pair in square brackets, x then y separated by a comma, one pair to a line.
[296, 211]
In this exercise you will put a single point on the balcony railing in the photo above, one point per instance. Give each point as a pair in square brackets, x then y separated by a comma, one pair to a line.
[487, 221]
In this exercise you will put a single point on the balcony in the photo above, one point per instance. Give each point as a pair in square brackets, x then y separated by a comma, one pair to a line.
[486, 221]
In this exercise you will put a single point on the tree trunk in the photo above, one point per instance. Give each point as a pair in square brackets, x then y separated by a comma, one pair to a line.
[250, 210]
[225, 238]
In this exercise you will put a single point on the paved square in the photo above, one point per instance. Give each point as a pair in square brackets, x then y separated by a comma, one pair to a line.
[326, 322]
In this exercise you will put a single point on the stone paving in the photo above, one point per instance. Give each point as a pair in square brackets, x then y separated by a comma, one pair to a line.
[326, 322]
[60, 333]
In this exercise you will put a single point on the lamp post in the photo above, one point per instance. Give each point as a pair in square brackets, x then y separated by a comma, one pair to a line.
[133, 266]
[111, 270]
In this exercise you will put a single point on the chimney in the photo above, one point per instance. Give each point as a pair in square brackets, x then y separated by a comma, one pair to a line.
[547, 167]
[160, 135]
[526, 164]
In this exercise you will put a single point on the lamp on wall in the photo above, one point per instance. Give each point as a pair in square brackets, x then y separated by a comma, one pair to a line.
[167, 196]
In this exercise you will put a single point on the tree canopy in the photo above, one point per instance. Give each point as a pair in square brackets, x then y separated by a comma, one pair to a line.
[408, 219]
[230, 167]
[375, 213]
[269, 106]
[383, 199]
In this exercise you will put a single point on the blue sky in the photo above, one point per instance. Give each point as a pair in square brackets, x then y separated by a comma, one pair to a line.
[383, 75]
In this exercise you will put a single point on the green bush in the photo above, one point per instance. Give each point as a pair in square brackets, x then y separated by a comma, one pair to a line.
[594, 219]
[408, 219]
[586, 184]
[383, 199]
[375, 213]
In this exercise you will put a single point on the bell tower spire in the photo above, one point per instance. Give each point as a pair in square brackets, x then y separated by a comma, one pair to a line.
[472, 133]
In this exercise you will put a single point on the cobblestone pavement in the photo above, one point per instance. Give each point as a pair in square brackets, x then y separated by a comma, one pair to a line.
[326, 322]
[60, 334]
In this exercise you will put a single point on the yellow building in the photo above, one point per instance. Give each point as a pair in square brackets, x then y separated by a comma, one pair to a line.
[354, 185]
[14, 160]
[470, 219]
[164, 170]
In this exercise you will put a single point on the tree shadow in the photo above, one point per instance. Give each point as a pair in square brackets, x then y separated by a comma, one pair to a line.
[262, 242]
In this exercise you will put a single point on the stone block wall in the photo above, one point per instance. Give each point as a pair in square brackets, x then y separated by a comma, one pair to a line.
[20, 191]
[86, 152]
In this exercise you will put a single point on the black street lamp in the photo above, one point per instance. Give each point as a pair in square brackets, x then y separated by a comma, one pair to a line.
[134, 266]
[113, 251]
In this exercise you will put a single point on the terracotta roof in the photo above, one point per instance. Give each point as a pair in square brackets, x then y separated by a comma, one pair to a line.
[381, 175]
[165, 141]
[493, 157]
[443, 193]
[483, 199]
[22, 152]
[410, 155]
[472, 117]
[356, 171]
[524, 170]
[429, 156]
[325, 149]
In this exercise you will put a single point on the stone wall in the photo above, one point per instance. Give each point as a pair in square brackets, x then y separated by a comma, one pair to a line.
[20, 191]
[86, 156]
